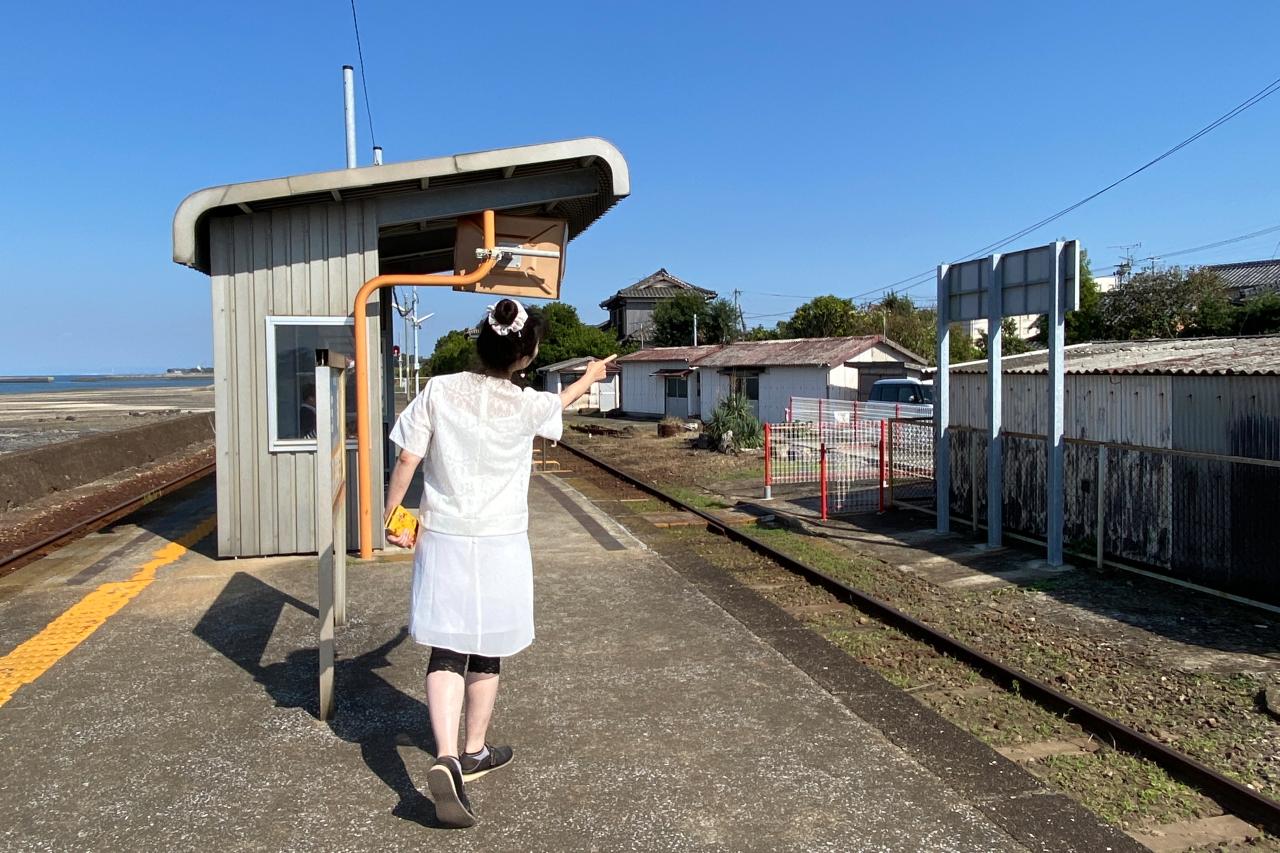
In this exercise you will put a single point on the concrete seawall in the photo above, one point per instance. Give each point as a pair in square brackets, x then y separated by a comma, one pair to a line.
[31, 474]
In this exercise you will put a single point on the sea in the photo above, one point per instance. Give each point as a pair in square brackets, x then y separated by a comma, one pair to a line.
[102, 382]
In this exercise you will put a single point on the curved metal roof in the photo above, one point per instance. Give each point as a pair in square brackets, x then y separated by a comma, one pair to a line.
[599, 174]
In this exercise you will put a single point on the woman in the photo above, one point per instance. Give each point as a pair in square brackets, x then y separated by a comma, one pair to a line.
[472, 599]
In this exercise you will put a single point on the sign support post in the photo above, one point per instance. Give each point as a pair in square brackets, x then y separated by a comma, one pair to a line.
[1039, 280]
[995, 404]
[942, 407]
[1065, 264]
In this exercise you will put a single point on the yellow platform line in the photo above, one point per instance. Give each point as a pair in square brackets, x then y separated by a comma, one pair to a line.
[33, 658]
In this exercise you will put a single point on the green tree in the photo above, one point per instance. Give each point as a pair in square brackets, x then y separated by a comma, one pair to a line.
[568, 337]
[822, 317]
[899, 319]
[721, 323]
[962, 346]
[1167, 303]
[760, 333]
[1011, 343]
[1258, 316]
[454, 353]
[673, 321]
[1084, 324]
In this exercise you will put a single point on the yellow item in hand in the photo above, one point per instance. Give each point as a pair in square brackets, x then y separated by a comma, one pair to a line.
[401, 521]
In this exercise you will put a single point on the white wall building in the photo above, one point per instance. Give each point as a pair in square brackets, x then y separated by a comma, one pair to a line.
[603, 395]
[662, 381]
[770, 373]
[691, 381]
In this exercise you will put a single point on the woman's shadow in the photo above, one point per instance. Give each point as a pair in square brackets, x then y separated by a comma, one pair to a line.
[369, 711]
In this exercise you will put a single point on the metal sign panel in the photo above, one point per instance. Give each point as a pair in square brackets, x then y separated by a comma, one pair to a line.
[1025, 280]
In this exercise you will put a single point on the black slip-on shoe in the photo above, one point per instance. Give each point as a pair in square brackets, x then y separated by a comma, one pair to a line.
[474, 768]
[444, 780]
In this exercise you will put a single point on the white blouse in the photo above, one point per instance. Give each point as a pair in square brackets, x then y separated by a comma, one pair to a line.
[475, 434]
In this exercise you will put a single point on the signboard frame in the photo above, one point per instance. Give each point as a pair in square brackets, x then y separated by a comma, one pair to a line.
[1039, 280]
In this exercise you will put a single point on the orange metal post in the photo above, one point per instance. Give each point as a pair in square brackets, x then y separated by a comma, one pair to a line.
[363, 437]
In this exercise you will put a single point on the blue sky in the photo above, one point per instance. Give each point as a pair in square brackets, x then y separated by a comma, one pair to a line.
[798, 148]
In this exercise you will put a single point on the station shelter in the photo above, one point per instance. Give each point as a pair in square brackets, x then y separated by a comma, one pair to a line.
[286, 258]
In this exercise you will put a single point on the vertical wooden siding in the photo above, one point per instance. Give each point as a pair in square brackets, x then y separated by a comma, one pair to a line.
[293, 261]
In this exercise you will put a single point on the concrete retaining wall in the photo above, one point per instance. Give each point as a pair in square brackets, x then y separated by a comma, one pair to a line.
[31, 474]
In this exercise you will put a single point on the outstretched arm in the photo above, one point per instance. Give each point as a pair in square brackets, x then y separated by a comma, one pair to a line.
[596, 370]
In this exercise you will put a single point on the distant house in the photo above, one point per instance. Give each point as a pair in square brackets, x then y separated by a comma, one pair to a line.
[603, 395]
[691, 381]
[631, 309]
[1248, 279]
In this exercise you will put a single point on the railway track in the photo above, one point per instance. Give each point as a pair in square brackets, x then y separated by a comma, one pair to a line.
[1231, 795]
[84, 526]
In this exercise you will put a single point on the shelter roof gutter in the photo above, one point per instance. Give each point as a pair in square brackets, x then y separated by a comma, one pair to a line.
[192, 212]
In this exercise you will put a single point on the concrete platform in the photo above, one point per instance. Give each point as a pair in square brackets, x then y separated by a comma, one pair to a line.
[644, 717]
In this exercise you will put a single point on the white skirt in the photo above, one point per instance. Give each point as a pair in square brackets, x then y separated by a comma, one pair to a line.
[472, 594]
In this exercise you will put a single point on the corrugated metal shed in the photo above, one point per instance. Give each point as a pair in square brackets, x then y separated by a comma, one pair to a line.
[1184, 356]
[1210, 395]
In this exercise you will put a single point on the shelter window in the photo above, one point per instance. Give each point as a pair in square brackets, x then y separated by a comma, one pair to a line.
[678, 387]
[291, 377]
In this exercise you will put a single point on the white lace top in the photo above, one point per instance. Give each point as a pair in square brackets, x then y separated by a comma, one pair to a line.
[475, 434]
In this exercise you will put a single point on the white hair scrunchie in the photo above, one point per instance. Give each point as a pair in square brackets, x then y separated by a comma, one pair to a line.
[514, 326]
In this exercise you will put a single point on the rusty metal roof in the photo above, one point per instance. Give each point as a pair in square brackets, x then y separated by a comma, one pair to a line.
[686, 354]
[1253, 356]
[799, 352]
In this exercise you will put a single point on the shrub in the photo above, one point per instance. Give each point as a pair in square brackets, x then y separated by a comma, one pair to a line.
[734, 415]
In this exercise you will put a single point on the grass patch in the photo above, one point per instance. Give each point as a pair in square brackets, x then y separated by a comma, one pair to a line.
[1124, 790]
[694, 497]
[818, 554]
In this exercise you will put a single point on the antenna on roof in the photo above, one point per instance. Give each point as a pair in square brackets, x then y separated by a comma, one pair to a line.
[1126, 266]
[349, 108]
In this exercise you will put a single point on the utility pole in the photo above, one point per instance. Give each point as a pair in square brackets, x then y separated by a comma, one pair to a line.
[695, 330]
[417, 358]
[742, 321]
[1126, 266]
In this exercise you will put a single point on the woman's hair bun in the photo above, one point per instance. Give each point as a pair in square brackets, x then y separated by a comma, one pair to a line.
[505, 312]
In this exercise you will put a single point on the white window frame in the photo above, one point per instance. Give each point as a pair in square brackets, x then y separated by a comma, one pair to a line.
[292, 445]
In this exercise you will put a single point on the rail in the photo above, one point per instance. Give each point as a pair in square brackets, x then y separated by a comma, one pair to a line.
[83, 527]
[1238, 798]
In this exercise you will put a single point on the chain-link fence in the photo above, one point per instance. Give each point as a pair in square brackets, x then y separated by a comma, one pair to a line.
[857, 466]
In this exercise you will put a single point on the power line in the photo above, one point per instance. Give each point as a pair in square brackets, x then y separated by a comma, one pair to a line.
[1265, 92]
[364, 82]
[1226, 242]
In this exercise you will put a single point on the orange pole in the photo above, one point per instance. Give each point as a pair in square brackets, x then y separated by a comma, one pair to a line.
[363, 462]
